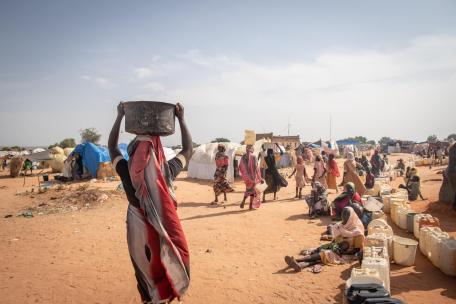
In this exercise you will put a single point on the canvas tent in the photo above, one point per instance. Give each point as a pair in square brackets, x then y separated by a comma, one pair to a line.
[202, 163]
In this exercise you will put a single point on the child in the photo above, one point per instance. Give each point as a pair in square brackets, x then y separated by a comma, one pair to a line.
[301, 176]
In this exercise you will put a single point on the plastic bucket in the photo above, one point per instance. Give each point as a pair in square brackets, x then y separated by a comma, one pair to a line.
[149, 118]
[404, 251]
[249, 137]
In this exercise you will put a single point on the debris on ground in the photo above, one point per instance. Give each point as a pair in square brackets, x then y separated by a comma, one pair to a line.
[67, 199]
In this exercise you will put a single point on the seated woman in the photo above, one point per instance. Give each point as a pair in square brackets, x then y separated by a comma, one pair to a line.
[413, 188]
[318, 201]
[348, 240]
[370, 179]
[348, 197]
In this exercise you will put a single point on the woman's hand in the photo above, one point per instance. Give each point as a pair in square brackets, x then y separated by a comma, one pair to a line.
[179, 111]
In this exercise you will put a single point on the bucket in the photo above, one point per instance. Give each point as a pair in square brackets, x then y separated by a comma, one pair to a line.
[404, 251]
[149, 118]
[410, 217]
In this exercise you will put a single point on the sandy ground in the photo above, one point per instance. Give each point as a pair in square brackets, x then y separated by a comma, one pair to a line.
[236, 255]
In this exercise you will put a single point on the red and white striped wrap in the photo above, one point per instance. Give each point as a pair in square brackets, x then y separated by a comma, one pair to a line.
[155, 236]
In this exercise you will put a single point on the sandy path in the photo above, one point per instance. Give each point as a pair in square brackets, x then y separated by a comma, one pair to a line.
[236, 255]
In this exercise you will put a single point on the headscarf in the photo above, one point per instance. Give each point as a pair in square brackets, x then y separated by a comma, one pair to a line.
[353, 227]
[350, 191]
[221, 148]
[350, 156]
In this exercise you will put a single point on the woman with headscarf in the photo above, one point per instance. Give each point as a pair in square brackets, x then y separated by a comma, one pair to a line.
[319, 171]
[300, 177]
[351, 174]
[221, 184]
[274, 180]
[333, 173]
[347, 198]
[376, 163]
[348, 239]
[251, 175]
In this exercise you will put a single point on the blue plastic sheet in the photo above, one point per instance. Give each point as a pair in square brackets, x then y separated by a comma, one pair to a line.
[93, 155]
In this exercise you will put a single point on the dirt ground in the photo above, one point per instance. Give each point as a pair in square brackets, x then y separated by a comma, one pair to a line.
[80, 255]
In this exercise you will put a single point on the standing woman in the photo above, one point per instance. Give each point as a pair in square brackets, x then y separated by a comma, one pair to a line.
[156, 241]
[319, 171]
[221, 184]
[251, 175]
[273, 178]
[333, 173]
[301, 176]
[351, 174]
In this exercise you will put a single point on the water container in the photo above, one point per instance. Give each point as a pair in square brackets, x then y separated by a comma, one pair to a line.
[416, 224]
[383, 267]
[424, 238]
[364, 276]
[429, 221]
[360, 293]
[386, 200]
[385, 189]
[387, 231]
[410, 217]
[434, 247]
[376, 240]
[447, 261]
[250, 137]
[383, 301]
[149, 117]
[378, 215]
[404, 251]
[402, 217]
[377, 222]
[375, 252]
[377, 188]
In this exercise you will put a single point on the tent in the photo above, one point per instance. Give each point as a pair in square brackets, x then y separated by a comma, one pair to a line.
[202, 163]
[92, 156]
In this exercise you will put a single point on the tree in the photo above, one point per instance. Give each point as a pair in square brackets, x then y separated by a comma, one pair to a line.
[90, 135]
[220, 139]
[371, 142]
[359, 139]
[17, 149]
[68, 143]
[451, 136]
[384, 140]
[432, 138]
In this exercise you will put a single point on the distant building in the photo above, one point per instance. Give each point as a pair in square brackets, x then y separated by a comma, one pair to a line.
[289, 142]
[260, 136]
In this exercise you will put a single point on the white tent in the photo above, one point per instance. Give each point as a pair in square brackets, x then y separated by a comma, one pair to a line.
[202, 163]
[169, 153]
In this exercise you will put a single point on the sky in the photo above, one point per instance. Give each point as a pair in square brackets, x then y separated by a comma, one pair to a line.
[377, 68]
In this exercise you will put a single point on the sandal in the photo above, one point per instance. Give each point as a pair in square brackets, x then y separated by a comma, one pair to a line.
[291, 262]
[316, 269]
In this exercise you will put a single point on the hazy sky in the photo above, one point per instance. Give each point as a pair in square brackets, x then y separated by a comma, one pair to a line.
[379, 68]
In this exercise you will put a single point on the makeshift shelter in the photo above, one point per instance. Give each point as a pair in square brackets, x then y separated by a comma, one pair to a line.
[37, 150]
[96, 159]
[202, 163]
